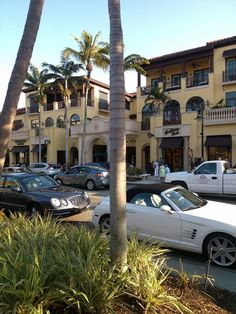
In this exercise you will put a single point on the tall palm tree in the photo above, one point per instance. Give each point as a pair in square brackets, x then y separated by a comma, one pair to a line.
[134, 62]
[157, 99]
[118, 239]
[37, 80]
[91, 53]
[18, 75]
[66, 83]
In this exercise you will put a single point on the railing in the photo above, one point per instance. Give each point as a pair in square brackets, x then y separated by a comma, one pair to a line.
[168, 86]
[61, 105]
[33, 109]
[191, 82]
[48, 107]
[222, 115]
[229, 76]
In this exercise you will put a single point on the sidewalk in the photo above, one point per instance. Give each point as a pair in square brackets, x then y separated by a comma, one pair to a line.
[149, 180]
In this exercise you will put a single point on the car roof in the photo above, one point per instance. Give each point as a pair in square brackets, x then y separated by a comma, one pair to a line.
[21, 174]
[148, 188]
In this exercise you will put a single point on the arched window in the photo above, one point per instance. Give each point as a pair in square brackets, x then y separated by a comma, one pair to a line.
[148, 111]
[61, 122]
[195, 104]
[49, 122]
[75, 119]
[171, 113]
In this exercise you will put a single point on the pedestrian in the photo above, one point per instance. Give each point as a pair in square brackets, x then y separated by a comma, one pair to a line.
[167, 169]
[162, 173]
[156, 168]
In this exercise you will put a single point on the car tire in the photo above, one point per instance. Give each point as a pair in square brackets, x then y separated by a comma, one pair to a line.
[105, 224]
[34, 210]
[90, 185]
[59, 181]
[223, 249]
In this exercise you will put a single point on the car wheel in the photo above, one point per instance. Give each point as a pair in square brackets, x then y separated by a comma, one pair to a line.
[105, 224]
[34, 210]
[59, 181]
[222, 248]
[90, 185]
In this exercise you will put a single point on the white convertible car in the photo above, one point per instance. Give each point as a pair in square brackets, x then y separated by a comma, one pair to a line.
[177, 218]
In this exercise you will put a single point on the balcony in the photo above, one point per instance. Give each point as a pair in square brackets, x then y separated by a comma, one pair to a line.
[21, 134]
[168, 86]
[192, 82]
[220, 116]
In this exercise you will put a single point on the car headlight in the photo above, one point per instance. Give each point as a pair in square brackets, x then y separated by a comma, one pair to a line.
[55, 202]
[64, 202]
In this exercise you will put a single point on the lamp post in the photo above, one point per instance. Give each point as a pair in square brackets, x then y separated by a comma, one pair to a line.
[200, 115]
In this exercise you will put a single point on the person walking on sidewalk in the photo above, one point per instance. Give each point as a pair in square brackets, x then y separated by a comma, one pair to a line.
[156, 168]
[162, 173]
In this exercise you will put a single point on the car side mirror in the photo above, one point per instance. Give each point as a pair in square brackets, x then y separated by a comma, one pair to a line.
[167, 209]
[16, 189]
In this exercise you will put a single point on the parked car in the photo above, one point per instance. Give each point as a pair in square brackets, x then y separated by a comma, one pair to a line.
[35, 193]
[102, 164]
[211, 177]
[43, 167]
[177, 218]
[90, 177]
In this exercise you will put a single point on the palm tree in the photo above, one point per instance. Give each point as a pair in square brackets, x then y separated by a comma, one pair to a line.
[118, 239]
[37, 80]
[157, 99]
[91, 52]
[18, 75]
[134, 62]
[66, 83]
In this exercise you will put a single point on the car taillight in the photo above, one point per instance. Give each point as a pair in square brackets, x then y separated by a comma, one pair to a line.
[99, 174]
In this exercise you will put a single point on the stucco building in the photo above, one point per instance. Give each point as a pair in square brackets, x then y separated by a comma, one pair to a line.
[198, 120]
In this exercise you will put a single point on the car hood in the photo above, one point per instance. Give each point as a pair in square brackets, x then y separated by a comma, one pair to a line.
[216, 211]
[58, 191]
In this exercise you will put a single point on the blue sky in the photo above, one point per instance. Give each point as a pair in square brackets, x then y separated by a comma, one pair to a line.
[150, 28]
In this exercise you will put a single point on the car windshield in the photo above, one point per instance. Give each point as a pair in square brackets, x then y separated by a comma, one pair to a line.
[35, 183]
[184, 199]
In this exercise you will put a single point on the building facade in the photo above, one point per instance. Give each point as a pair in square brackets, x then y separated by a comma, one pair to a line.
[198, 121]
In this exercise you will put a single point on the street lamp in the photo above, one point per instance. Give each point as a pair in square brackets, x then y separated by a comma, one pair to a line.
[200, 116]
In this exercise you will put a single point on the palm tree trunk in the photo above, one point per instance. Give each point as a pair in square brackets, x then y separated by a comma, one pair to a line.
[18, 75]
[67, 126]
[40, 135]
[87, 86]
[118, 239]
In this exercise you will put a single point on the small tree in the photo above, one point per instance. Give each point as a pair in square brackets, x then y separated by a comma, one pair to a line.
[66, 83]
[91, 52]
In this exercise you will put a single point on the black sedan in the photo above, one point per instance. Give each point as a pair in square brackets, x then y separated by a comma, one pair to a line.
[34, 193]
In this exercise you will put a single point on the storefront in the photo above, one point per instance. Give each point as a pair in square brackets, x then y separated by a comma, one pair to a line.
[172, 152]
[219, 147]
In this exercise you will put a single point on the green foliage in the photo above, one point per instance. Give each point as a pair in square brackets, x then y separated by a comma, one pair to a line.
[50, 267]
[133, 171]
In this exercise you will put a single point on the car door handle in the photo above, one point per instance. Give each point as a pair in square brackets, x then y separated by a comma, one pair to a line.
[131, 211]
[214, 178]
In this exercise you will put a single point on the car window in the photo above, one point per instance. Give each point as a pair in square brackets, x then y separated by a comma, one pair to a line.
[148, 199]
[73, 171]
[11, 183]
[206, 169]
[34, 183]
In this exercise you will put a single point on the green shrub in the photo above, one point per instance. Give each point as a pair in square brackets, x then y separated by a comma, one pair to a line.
[47, 267]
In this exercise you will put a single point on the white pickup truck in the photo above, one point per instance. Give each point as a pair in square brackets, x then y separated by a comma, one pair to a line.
[211, 177]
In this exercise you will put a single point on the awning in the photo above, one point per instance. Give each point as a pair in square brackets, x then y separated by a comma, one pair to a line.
[35, 149]
[20, 149]
[229, 53]
[171, 142]
[218, 141]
